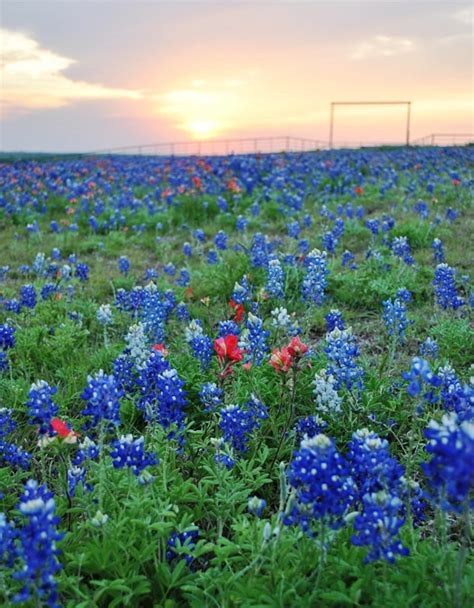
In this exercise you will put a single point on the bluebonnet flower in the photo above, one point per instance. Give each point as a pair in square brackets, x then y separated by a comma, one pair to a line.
[259, 251]
[373, 225]
[378, 526]
[330, 241]
[256, 505]
[401, 248]
[222, 203]
[162, 396]
[438, 251]
[82, 271]
[395, 318]
[24, 269]
[203, 349]
[12, 306]
[275, 285]
[130, 452]
[9, 452]
[41, 408]
[348, 258]
[254, 339]
[303, 246]
[37, 549]
[326, 395]
[404, 295]
[454, 395]
[324, 489]
[241, 292]
[227, 328]
[211, 396]
[309, 427]
[181, 312]
[282, 320]
[38, 264]
[102, 399]
[187, 249]
[342, 351]
[7, 337]
[451, 214]
[241, 223]
[224, 460]
[88, 450]
[199, 235]
[28, 296]
[293, 229]
[54, 226]
[137, 344]
[181, 545]
[420, 374]
[104, 314]
[48, 290]
[429, 349]
[184, 278]
[124, 265]
[445, 288]
[212, 257]
[450, 472]
[75, 476]
[315, 281]
[150, 274]
[334, 319]
[169, 269]
[220, 240]
[238, 423]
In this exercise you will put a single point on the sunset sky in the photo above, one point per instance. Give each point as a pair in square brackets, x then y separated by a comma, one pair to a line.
[78, 76]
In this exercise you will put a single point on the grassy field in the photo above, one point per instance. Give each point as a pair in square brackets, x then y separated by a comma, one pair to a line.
[251, 480]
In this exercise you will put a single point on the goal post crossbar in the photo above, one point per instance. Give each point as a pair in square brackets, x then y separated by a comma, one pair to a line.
[369, 103]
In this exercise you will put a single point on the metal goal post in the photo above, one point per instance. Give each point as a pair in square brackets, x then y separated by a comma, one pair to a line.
[369, 103]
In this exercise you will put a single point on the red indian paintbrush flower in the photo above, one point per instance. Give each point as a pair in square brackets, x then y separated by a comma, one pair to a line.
[296, 348]
[227, 349]
[281, 360]
[62, 429]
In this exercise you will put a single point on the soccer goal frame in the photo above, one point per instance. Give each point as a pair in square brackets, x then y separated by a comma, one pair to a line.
[369, 103]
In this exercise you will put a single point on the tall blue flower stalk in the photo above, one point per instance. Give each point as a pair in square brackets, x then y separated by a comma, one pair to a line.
[315, 280]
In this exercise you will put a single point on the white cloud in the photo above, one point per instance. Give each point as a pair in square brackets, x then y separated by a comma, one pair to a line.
[32, 77]
[382, 46]
[465, 15]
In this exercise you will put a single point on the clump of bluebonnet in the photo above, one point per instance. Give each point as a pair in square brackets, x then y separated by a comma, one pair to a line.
[238, 423]
[181, 545]
[34, 546]
[40, 405]
[445, 288]
[28, 296]
[211, 396]
[82, 271]
[324, 489]
[429, 349]
[281, 320]
[129, 452]
[401, 248]
[137, 344]
[275, 285]
[227, 328]
[420, 374]
[7, 341]
[220, 240]
[438, 251]
[241, 292]
[124, 265]
[10, 452]
[309, 427]
[395, 319]
[162, 394]
[201, 345]
[315, 280]
[102, 399]
[254, 339]
[450, 472]
[342, 353]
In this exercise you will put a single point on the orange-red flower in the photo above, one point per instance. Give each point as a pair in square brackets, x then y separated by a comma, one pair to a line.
[160, 348]
[359, 190]
[227, 349]
[296, 348]
[281, 360]
[62, 429]
[239, 311]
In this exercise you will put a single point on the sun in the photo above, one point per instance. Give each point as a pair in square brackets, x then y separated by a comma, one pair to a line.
[202, 129]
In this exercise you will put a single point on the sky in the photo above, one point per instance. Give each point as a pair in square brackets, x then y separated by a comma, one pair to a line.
[95, 74]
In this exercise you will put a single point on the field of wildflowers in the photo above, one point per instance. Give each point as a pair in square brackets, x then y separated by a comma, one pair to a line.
[237, 381]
